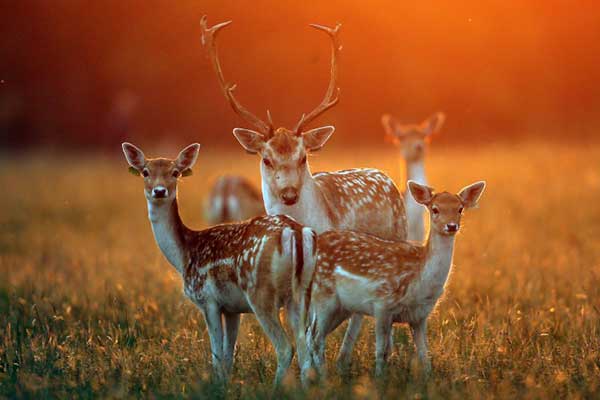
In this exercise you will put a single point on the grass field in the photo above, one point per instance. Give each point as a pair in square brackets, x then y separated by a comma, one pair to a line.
[88, 305]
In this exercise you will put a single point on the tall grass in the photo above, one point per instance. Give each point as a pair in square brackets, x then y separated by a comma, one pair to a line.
[89, 307]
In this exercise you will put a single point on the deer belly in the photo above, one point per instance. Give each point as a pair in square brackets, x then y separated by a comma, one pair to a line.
[227, 295]
[356, 293]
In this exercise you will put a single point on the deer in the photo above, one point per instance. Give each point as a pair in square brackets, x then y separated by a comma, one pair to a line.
[413, 141]
[232, 198]
[366, 199]
[394, 282]
[228, 269]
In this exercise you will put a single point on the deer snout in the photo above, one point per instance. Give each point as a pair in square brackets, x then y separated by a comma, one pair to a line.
[452, 227]
[160, 192]
[289, 196]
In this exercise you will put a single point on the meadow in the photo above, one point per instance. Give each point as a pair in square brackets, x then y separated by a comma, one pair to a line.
[89, 307]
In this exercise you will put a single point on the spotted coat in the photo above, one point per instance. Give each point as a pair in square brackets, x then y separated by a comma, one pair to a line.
[364, 200]
[231, 259]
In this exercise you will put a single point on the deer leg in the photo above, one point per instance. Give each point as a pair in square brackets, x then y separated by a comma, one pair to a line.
[390, 348]
[212, 315]
[419, 333]
[304, 361]
[268, 318]
[345, 355]
[383, 327]
[232, 325]
[326, 319]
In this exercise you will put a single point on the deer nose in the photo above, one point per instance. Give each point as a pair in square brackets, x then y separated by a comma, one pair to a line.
[452, 227]
[289, 196]
[159, 192]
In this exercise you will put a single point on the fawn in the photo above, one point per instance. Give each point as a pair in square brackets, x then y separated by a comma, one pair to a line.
[392, 281]
[413, 140]
[228, 269]
[359, 199]
[232, 198]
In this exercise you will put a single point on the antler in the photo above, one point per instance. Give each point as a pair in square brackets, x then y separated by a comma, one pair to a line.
[332, 95]
[209, 36]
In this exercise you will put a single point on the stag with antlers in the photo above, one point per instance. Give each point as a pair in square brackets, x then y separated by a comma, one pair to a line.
[357, 199]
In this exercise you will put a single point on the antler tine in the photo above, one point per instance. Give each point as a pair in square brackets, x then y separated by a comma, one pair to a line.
[332, 95]
[209, 36]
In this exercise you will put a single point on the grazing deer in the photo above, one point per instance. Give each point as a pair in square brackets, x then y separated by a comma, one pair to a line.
[228, 269]
[232, 198]
[359, 199]
[413, 140]
[358, 273]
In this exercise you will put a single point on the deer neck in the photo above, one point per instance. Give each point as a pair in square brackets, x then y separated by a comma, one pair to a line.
[170, 232]
[438, 261]
[310, 208]
[415, 170]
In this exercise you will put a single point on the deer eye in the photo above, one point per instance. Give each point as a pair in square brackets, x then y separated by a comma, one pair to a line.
[145, 173]
[303, 160]
[460, 210]
[267, 162]
[435, 210]
[175, 174]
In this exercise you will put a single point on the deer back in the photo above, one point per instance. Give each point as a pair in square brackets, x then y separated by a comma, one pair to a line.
[364, 200]
[233, 198]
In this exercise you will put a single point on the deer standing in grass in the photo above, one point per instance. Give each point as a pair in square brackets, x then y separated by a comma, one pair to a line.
[358, 199]
[228, 269]
[413, 140]
[358, 273]
[232, 198]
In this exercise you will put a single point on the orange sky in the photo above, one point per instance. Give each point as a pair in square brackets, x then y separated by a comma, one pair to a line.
[498, 69]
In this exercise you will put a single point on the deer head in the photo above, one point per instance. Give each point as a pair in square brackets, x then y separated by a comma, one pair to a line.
[283, 151]
[445, 209]
[161, 174]
[412, 138]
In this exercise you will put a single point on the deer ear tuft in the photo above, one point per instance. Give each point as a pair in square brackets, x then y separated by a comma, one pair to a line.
[134, 171]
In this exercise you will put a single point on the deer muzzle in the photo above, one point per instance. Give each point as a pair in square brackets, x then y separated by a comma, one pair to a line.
[289, 196]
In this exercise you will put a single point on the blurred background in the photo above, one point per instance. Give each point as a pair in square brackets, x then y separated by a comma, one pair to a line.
[91, 74]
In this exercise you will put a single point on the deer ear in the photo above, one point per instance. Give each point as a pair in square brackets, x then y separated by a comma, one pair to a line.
[134, 156]
[187, 157]
[470, 194]
[316, 138]
[389, 125]
[421, 193]
[253, 142]
[434, 123]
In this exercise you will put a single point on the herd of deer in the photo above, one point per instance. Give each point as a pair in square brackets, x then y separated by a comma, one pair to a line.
[333, 246]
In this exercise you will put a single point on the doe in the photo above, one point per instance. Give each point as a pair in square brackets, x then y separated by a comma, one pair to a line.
[228, 269]
[357, 273]
[413, 140]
